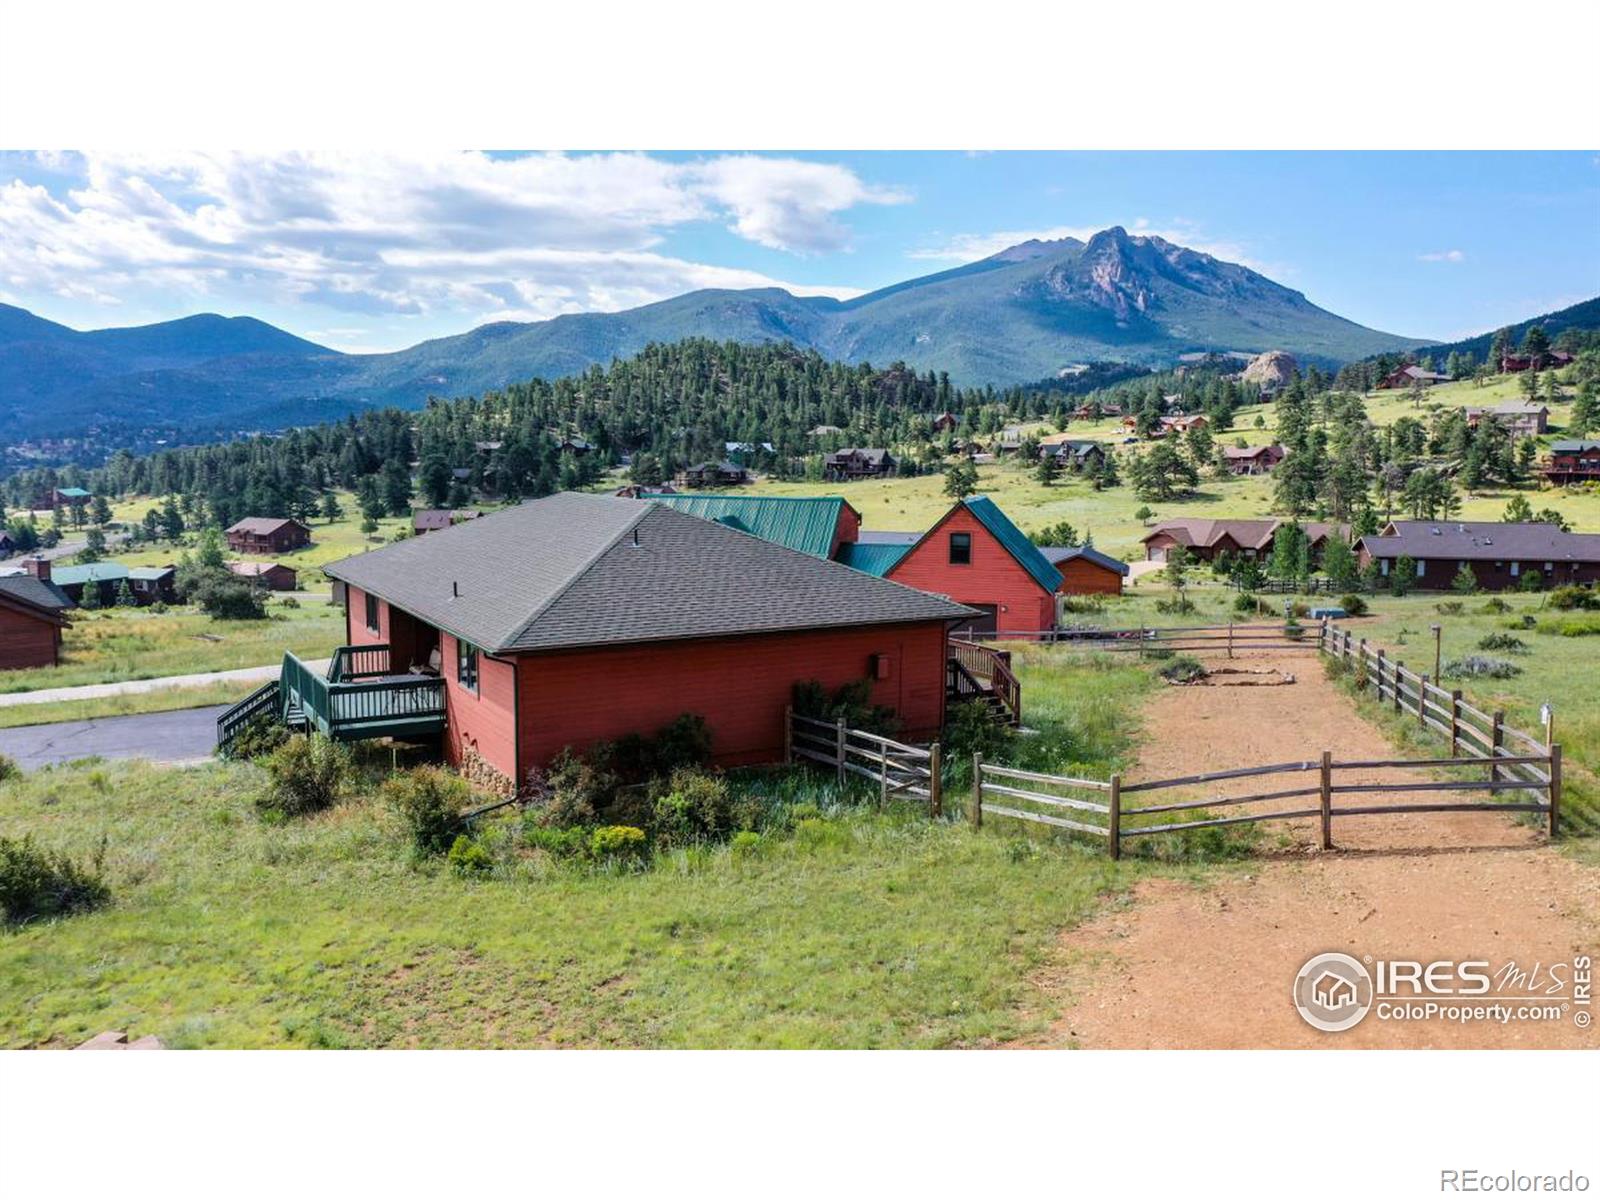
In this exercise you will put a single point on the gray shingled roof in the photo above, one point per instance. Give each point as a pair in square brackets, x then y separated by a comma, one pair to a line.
[261, 525]
[1479, 540]
[36, 592]
[579, 570]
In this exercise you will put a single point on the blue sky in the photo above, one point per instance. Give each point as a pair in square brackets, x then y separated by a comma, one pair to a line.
[379, 251]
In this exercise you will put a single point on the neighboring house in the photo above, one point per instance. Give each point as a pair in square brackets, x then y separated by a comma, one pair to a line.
[70, 497]
[267, 535]
[709, 474]
[150, 584]
[1510, 364]
[1008, 440]
[1520, 418]
[642, 491]
[738, 451]
[856, 463]
[1404, 377]
[578, 619]
[976, 557]
[1500, 555]
[426, 520]
[1075, 453]
[32, 615]
[274, 577]
[1205, 538]
[1572, 461]
[105, 577]
[1085, 571]
[575, 445]
[824, 430]
[1182, 424]
[7, 546]
[1252, 460]
[946, 422]
[814, 525]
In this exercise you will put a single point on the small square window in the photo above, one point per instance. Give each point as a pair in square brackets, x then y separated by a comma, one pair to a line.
[372, 612]
[961, 549]
[467, 665]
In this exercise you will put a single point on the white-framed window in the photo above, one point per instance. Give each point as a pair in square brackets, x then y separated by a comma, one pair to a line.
[1422, 567]
[467, 665]
[1383, 566]
[1516, 569]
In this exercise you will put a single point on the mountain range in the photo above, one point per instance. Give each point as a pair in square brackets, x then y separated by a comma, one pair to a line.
[1024, 314]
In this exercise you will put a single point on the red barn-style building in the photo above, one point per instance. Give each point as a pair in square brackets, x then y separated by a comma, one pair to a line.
[576, 619]
[32, 616]
[1085, 571]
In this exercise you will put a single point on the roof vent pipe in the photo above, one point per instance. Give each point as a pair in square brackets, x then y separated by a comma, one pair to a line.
[455, 590]
[636, 537]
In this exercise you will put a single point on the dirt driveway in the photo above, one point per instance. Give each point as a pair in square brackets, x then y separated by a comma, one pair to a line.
[1212, 967]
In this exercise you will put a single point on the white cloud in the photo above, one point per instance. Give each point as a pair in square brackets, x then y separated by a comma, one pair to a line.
[1450, 256]
[970, 247]
[416, 234]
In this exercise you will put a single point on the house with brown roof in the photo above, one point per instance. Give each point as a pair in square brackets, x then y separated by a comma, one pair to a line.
[426, 520]
[267, 535]
[1206, 538]
[858, 463]
[1519, 418]
[1499, 554]
[1575, 460]
[946, 422]
[1252, 460]
[712, 474]
[1404, 377]
[32, 615]
[272, 577]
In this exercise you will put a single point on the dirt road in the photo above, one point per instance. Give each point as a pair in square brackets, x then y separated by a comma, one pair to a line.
[1212, 967]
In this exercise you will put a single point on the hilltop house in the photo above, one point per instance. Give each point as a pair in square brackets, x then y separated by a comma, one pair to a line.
[1252, 460]
[1572, 461]
[1404, 377]
[945, 422]
[1499, 555]
[61, 497]
[1078, 454]
[854, 463]
[1205, 538]
[267, 535]
[1520, 418]
[712, 474]
[32, 616]
[578, 618]
[1510, 364]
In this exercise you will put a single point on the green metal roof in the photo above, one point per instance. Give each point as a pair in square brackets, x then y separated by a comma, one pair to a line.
[150, 572]
[1015, 541]
[91, 572]
[873, 558]
[803, 523]
[73, 492]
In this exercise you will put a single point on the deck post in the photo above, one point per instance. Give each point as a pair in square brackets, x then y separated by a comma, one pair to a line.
[935, 783]
[1555, 786]
[788, 735]
[839, 741]
[977, 791]
[1455, 722]
[1327, 800]
[1497, 737]
[1114, 826]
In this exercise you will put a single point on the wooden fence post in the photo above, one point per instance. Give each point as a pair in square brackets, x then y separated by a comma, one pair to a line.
[977, 791]
[1327, 800]
[1141, 641]
[1497, 737]
[1230, 639]
[1380, 675]
[788, 734]
[1555, 786]
[1114, 828]
[1422, 701]
[839, 741]
[883, 775]
[935, 782]
[1455, 723]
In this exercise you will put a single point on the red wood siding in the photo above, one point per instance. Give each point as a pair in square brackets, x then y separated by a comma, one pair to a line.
[27, 640]
[739, 685]
[1080, 577]
[484, 720]
[992, 577]
[848, 529]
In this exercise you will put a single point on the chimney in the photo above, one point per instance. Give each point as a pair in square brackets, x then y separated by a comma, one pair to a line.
[39, 567]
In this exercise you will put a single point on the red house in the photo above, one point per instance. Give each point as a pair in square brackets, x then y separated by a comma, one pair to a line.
[32, 616]
[579, 618]
[267, 535]
[1085, 571]
[976, 557]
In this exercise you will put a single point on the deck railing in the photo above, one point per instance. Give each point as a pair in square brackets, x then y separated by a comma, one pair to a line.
[359, 662]
[972, 662]
[362, 706]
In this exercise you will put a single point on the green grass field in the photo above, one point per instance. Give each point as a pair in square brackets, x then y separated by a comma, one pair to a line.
[866, 929]
[115, 644]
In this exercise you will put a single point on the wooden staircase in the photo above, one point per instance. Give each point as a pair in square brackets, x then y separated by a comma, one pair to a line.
[977, 674]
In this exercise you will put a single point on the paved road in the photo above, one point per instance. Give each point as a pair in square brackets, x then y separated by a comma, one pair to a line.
[182, 736]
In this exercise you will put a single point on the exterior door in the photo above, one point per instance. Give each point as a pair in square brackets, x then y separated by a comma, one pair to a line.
[984, 622]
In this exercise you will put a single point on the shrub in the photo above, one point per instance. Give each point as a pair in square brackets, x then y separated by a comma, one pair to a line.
[9, 768]
[229, 599]
[158, 607]
[260, 735]
[558, 843]
[685, 742]
[1465, 581]
[1578, 626]
[1448, 608]
[1293, 630]
[1531, 581]
[973, 727]
[696, 807]
[306, 775]
[1175, 604]
[429, 801]
[1525, 621]
[1495, 605]
[573, 791]
[1083, 604]
[469, 857]
[1503, 641]
[1477, 666]
[746, 841]
[35, 882]
[288, 602]
[1569, 596]
[1353, 604]
[1183, 669]
[617, 843]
